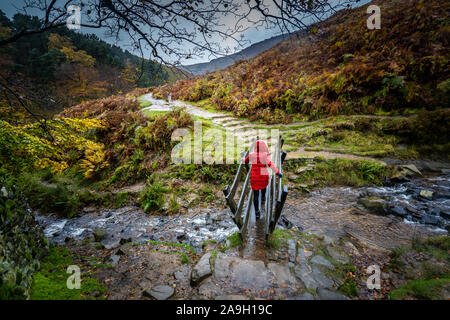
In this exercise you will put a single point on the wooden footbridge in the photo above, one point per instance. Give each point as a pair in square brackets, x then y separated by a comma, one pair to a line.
[241, 203]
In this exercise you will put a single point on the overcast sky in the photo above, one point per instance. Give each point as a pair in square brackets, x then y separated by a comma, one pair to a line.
[252, 35]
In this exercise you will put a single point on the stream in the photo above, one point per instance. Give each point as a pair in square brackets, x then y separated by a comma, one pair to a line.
[131, 224]
[332, 211]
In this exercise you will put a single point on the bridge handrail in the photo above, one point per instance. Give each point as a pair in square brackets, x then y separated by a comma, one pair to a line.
[276, 194]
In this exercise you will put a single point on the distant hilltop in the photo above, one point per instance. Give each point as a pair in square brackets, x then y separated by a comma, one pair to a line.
[247, 53]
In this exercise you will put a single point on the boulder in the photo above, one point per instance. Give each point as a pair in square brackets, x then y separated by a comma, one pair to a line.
[202, 269]
[337, 254]
[412, 169]
[312, 278]
[325, 294]
[427, 194]
[404, 172]
[22, 242]
[398, 211]
[162, 292]
[373, 204]
[321, 261]
[112, 259]
[304, 296]
[433, 220]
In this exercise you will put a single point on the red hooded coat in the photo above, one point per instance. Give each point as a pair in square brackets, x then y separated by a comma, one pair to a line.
[260, 160]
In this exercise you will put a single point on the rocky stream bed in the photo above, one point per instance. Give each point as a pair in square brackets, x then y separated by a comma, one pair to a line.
[343, 225]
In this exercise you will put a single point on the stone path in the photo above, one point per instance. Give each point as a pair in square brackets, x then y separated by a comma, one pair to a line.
[247, 131]
[300, 277]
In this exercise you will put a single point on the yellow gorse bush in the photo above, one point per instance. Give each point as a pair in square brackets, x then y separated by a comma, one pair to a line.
[53, 147]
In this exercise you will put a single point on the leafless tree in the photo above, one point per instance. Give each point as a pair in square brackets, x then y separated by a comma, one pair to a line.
[172, 30]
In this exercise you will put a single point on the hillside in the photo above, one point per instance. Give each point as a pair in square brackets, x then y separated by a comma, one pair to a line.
[223, 62]
[44, 67]
[340, 68]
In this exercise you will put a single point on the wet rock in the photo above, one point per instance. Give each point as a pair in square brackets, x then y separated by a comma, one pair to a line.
[292, 250]
[350, 248]
[427, 194]
[398, 211]
[232, 297]
[202, 269]
[304, 296]
[113, 260]
[312, 278]
[404, 172]
[284, 222]
[328, 240]
[238, 273]
[181, 273]
[301, 257]
[162, 292]
[282, 275]
[337, 255]
[445, 214]
[321, 261]
[325, 294]
[373, 204]
[303, 169]
[412, 168]
[433, 220]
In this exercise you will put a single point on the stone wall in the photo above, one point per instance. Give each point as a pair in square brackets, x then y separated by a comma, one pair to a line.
[22, 242]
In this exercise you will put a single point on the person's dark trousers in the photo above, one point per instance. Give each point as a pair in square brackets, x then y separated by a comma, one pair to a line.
[256, 200]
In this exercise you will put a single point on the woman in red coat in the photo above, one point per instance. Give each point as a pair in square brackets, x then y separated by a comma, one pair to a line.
[259, 176]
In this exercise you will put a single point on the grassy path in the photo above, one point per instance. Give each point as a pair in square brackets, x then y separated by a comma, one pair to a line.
[248, 130]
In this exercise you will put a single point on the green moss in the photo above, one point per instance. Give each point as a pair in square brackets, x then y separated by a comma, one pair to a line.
[234, 240]
[439, 247]
[174, 206]
[208, 241]
[349, 289]
[277, 238]
[144, 103]
[11, 292]
[50, 283]
[343, 172]
[421, 289]
[47, 197]
[121, 199]
[395, 263]
[99, 246]
[347, 272]
[184, 258]
[185, 246]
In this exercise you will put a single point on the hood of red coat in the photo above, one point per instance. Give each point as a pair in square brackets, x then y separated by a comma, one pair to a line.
[261, 146]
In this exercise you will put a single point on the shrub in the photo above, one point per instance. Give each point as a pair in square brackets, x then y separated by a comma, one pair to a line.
[153, 197]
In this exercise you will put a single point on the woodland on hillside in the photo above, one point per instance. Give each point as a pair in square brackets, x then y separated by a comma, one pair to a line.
[62, 67]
